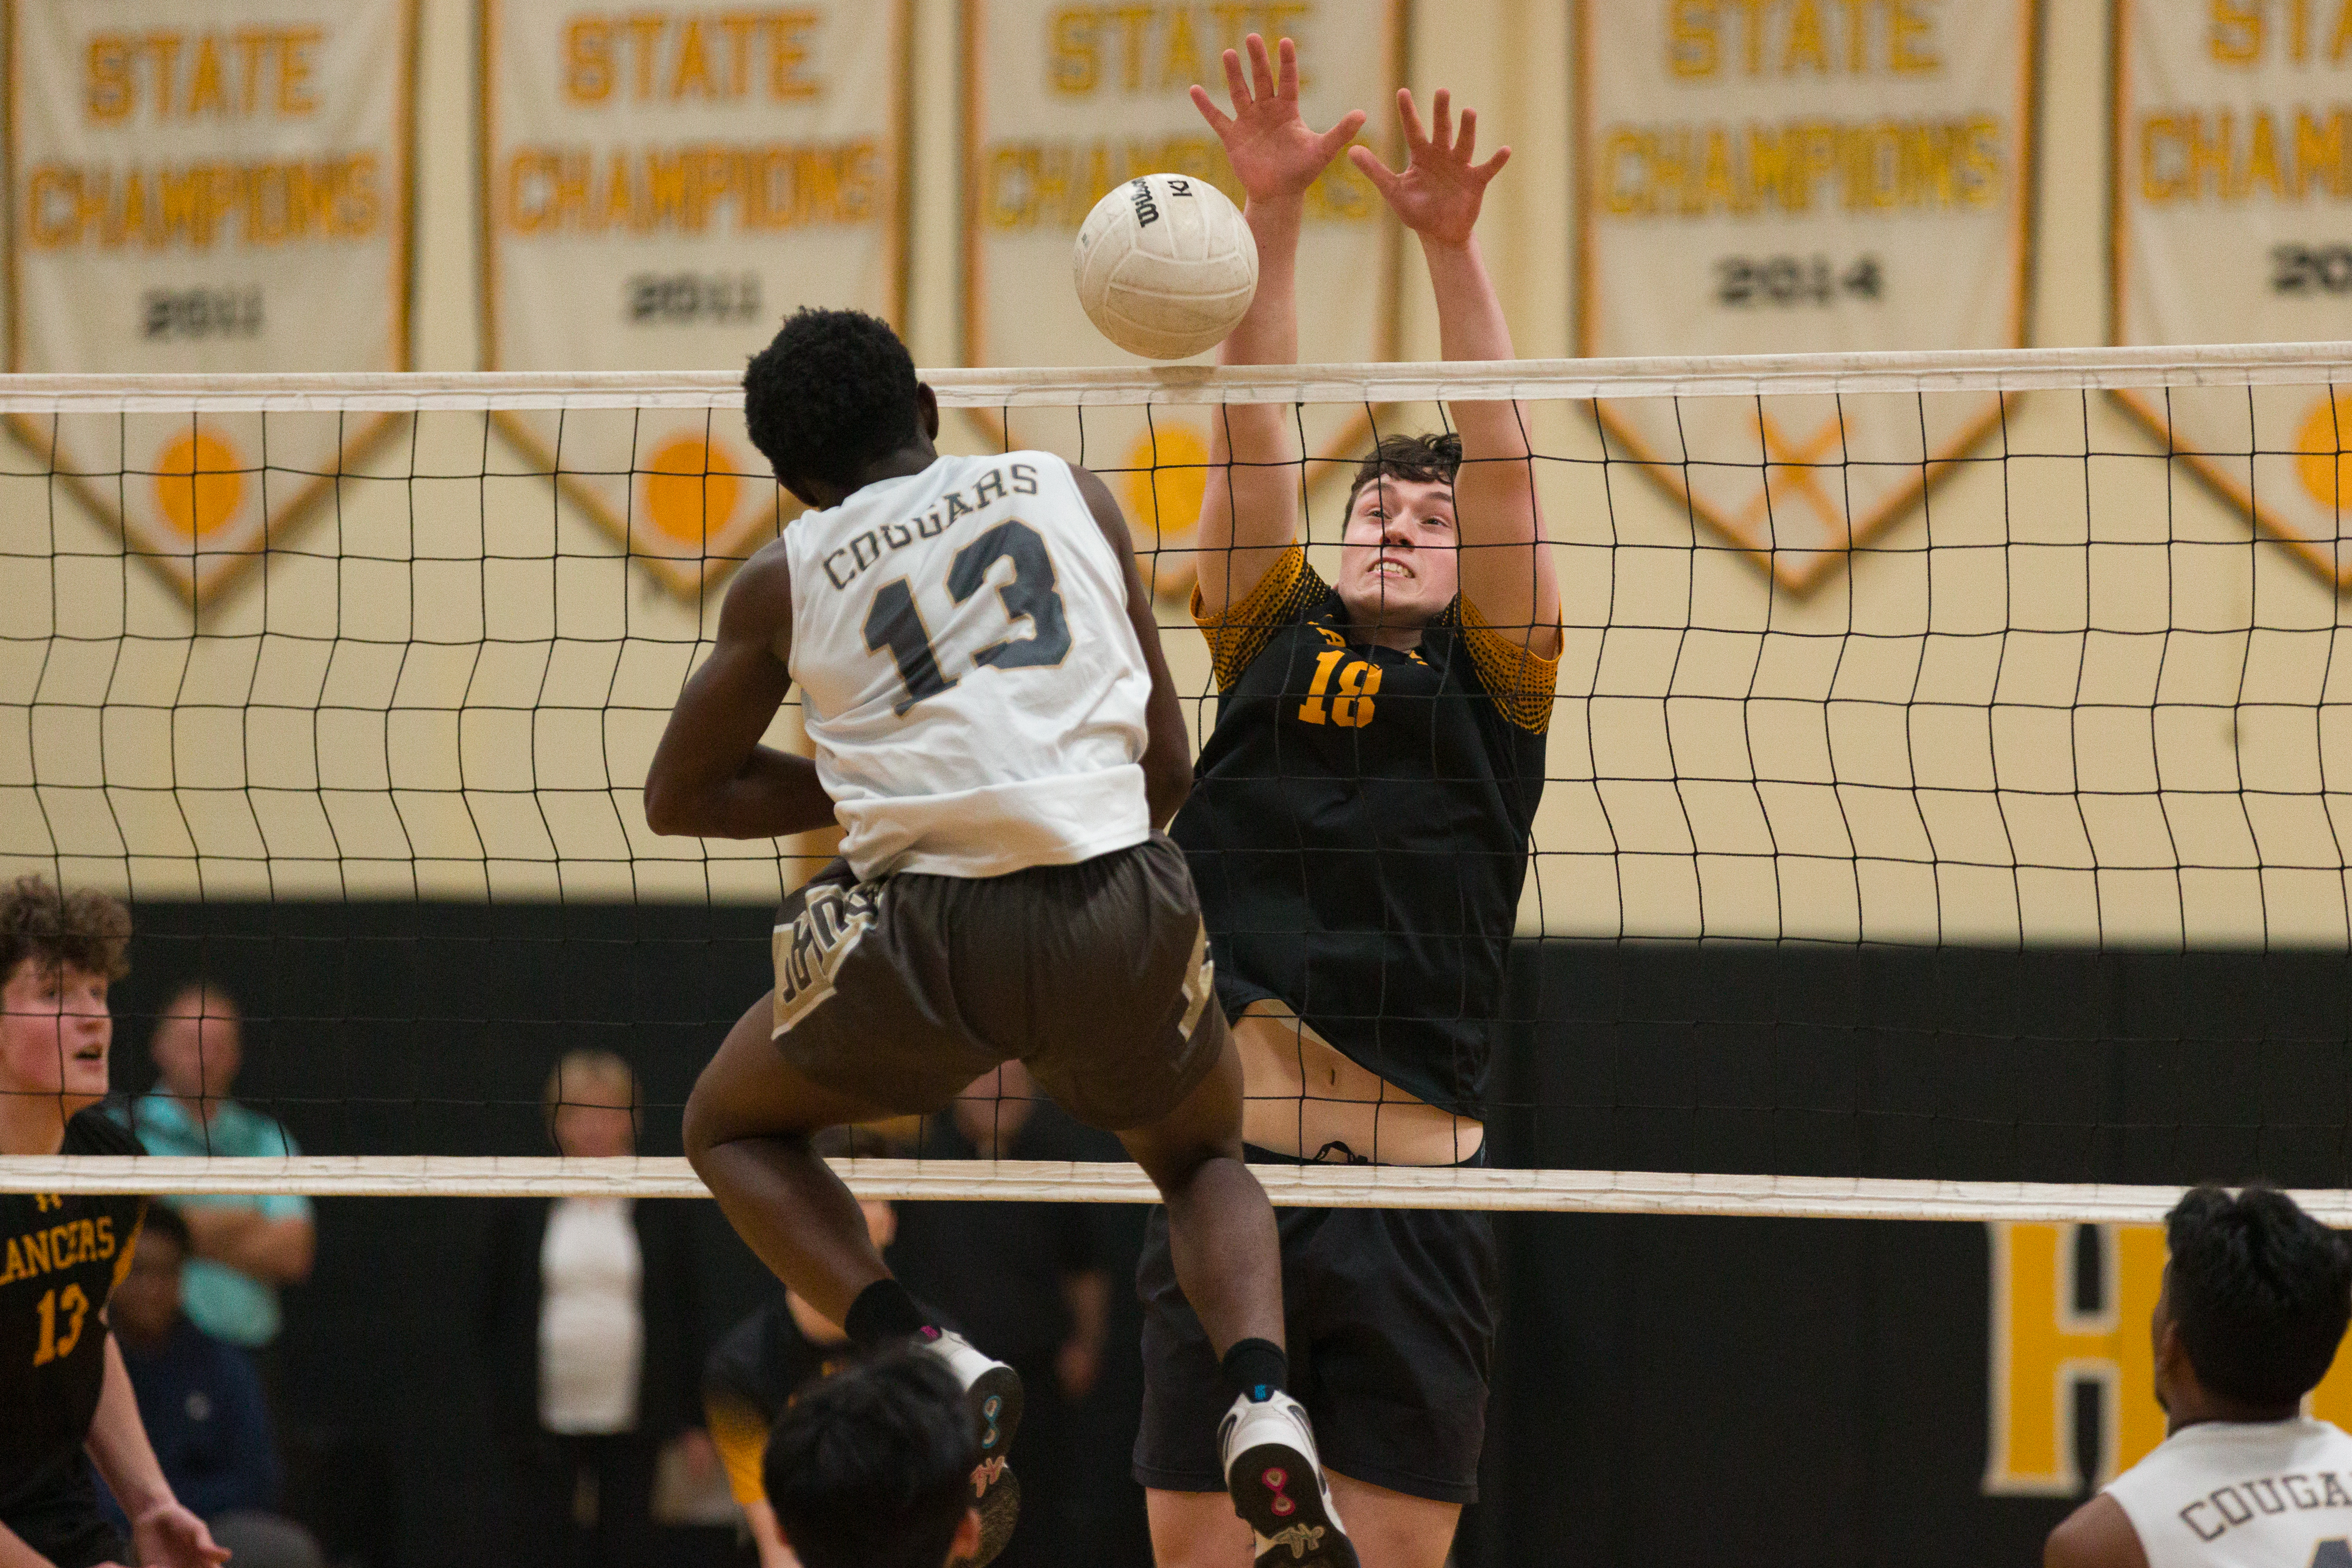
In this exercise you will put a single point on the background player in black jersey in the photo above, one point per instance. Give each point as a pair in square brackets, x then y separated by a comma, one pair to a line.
[64, 1398]
[1359, 834]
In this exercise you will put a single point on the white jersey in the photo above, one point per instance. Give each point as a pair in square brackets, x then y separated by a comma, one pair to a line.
[973, 685]
[2244, 1494]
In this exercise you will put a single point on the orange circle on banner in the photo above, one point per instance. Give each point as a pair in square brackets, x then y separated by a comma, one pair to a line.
[690, 490]
[1167, 471]
[2325, 448]
[198, 482]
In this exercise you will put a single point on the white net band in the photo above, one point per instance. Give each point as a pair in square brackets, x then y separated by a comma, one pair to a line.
[1730, 375]
[1062, 1181]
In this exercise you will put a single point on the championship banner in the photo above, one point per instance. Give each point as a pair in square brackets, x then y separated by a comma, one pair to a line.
[214, 185]
[1066, 101]
[661, 186]
[2233, 224]
[1809, 175]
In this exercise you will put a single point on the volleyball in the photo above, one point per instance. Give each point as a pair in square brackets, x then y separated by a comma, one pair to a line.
[1165, 265]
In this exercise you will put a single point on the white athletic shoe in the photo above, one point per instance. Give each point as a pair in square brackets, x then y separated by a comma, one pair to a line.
[1277, 1485]
[993, 1391]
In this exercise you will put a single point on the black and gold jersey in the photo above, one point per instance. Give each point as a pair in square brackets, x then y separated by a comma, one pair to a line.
[1359, 825]
[753, 1375]
[61, 1254]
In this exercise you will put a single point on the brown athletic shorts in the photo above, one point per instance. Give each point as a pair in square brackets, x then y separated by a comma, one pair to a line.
[902, 990]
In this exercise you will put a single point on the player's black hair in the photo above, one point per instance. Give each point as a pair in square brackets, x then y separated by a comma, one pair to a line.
[2260, 1294]
[165, 1220]
[832, 395]
[872, 1468]
[86, 929]
[1424, 459]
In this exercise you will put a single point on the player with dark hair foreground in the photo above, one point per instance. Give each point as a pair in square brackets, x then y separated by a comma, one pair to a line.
[872, 1469]
[1360, 838]
[64, 1396]
[2256, 1296]
[995, 729]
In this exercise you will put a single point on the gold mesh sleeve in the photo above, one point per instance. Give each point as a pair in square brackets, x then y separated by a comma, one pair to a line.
[1521, 682]
[1242, 633]
[741, 1436]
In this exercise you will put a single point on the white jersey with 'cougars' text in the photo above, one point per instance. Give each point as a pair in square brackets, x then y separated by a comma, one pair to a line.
[973, 687]
[2244, 1494]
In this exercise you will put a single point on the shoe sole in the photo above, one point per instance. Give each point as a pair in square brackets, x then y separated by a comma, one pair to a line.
[996, 1403]
[1274, 1490]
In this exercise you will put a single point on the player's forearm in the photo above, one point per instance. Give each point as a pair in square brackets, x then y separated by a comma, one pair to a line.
[768, 1538]
[1471, 325]
[15, 1553]
[118, 1443]
[772, 795]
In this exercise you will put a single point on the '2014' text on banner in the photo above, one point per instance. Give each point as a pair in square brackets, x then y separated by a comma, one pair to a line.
[215, 186]
[1820, 175]
[661, 185]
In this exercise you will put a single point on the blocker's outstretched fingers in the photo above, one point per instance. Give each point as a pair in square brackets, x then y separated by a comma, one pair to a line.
[1237, 86]
[1260, 67]
[1416, 136]
[1219, 120]
[1383, 178]
[1441, 128]
[1464, 144]
[1287, 75]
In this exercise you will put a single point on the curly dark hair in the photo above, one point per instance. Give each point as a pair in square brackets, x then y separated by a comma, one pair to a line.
[86, 929]
[2260, 1294]
[834, 392]
[1424, 459]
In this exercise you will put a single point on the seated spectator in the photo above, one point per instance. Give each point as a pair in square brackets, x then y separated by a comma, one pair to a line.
[246, 1248]
[591, 1326]
[873, 1465]
[201, 1401]
[762, 1363]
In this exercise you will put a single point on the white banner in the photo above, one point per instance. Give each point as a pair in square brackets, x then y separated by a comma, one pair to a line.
[1065, 102]
[2232, 223]
[662, 185]
[214, 185]
[1811, 174]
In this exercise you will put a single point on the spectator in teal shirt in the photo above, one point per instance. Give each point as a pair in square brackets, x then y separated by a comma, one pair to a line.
[245, 1247]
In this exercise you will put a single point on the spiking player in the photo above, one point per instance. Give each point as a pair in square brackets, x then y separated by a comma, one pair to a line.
[2256, 1296]
[995, 728]
[1359, 837]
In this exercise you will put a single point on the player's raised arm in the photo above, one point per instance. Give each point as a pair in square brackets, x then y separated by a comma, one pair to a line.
[710, 777]
[1249, 513]
[1507, 566]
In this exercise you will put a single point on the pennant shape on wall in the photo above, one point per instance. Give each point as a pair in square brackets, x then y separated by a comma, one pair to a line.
[1809, 177]
[659, 190]
[220, 185]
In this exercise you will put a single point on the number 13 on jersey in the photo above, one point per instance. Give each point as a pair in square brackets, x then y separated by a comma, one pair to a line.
[893, 621]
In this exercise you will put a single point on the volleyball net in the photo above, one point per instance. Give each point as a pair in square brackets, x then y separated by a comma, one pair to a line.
[1945, 808]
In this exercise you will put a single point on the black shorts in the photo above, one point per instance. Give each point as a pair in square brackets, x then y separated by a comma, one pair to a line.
[64, 1525]
[901, 991]
[1390, 1319]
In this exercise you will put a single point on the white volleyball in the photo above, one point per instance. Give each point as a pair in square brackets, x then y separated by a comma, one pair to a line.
[1165, 265]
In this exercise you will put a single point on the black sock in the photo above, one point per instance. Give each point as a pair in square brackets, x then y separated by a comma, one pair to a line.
[1254, 1369]
[882, 1313]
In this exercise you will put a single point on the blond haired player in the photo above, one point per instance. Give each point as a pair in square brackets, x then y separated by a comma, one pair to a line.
[2256, 1296]
[1359, 834]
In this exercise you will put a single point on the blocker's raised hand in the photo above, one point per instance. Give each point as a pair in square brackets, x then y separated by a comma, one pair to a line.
[1437, 192]
[1270, 146]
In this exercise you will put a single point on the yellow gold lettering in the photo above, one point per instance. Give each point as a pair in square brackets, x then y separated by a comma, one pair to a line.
[693, 64]
[204, 85]
[1806, 43]
[1904, 24]
[1691, 48]
[107, 94]
[588, 60]
[2234, 33]
[788, 51]
[1075, 69]
[294, 67]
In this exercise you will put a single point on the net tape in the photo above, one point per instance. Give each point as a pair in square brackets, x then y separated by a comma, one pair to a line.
[1318, 1187]
[1733, 375]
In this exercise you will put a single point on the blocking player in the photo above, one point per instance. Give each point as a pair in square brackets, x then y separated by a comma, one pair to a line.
[2255, 1300]
[64, 1398]
[995, 728]
[1359, 832]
